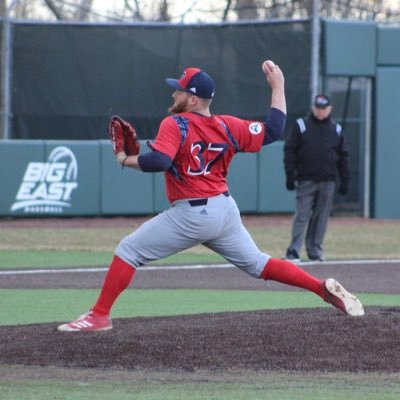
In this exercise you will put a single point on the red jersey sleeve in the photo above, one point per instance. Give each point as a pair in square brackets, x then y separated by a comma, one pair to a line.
[168, 138]
[248, 134]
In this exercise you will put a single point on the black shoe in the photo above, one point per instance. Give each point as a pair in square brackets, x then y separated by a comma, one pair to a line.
[317, 258]
[292, 255]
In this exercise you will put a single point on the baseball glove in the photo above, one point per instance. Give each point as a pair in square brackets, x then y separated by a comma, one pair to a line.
[123, 136]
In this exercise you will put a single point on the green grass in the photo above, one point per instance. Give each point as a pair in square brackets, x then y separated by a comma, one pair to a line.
[356, 238]
[50, 390]
[25, 306]
[51, 259]
[10, 259]
[237, 385]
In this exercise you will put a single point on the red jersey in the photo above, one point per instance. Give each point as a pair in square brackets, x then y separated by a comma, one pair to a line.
[201, 149]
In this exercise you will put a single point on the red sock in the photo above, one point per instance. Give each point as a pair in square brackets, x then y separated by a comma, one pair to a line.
[118, 278]
[286, 272]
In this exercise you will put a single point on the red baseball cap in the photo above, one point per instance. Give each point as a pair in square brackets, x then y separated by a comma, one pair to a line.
[194, 81]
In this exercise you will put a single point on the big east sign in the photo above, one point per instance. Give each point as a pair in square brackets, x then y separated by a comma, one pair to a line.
[47, 187]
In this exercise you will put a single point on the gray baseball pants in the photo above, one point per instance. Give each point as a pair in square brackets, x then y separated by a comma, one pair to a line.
[313, 207]
[217, 225]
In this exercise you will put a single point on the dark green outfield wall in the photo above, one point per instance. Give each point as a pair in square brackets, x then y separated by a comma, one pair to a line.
[365, 49]
[72, 178]
[45, 177]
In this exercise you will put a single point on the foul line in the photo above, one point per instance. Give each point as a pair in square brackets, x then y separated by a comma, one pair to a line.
[148, 268]
[188, 267]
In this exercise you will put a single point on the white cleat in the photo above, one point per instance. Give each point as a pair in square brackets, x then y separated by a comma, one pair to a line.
[336, 295]
[87, 323]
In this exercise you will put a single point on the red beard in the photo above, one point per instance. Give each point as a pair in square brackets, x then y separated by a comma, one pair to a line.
[177, 108]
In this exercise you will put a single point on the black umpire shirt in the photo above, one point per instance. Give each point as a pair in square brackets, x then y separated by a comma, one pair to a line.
[316, 150]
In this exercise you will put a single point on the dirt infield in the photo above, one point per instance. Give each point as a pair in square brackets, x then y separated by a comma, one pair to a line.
[284, 340]
[296, 340]
[370, 277]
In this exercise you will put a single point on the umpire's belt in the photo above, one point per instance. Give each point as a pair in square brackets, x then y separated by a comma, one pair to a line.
[203, 202]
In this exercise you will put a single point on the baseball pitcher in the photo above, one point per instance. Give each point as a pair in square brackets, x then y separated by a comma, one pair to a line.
[194, 148]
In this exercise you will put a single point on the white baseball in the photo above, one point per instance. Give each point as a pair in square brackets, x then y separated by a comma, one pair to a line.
[270, 64]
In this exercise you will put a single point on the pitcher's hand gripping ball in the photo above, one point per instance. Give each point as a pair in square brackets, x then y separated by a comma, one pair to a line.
[268, 65]
[123, 136]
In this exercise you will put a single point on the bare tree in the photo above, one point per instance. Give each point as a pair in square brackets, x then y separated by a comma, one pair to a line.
[78, 10]
[206, 11]
[2, 8]
[164, 11]
[247, 9]
[55, 9]
[377, 10]
[83, 11]
[144, 10]
[65, 10]
[134, 8]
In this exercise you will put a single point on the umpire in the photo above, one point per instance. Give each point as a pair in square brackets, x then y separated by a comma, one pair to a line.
[315, 154]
